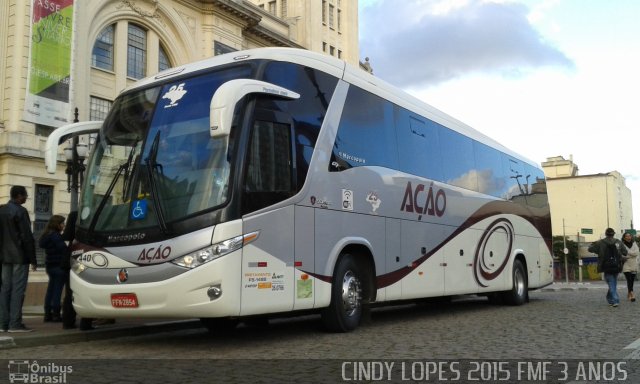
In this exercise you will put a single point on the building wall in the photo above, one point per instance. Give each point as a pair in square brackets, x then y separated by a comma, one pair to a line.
[559, 167]
[4, 20]
[21, 160]
[309, 29]
[187, 30]
[593, 202]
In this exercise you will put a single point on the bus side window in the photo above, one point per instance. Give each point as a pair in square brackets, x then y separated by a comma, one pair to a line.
[420, 139]
[366, 134]
[491, 179]
[458, 160]
[269, 166]
[514, 177]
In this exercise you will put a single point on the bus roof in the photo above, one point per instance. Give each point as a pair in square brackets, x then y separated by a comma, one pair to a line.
[339, 69]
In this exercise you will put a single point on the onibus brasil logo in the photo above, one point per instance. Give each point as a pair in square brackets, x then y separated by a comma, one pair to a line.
[25, 371]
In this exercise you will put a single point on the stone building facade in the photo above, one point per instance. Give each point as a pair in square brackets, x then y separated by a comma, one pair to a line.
[116, 42]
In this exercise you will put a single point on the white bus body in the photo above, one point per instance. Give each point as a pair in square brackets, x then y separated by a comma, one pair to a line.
[276, 180]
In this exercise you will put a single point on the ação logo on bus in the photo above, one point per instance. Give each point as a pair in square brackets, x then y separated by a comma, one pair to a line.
[435, 201]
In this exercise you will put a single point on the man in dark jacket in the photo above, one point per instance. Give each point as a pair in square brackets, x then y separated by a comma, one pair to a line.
[608, 249]
[18, 251]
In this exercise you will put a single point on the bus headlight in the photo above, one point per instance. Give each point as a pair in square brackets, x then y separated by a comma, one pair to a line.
[205, 255]
[78, 267]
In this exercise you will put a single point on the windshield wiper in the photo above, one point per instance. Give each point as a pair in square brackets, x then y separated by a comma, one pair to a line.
[151, 163]
[129, 172]
[105, 197]
[125, 167]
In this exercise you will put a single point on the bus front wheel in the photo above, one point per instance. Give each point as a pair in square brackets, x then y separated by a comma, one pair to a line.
[345, 311]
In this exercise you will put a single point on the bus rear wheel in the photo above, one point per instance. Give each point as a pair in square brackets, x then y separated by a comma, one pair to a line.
[345, 311]
[519, 290]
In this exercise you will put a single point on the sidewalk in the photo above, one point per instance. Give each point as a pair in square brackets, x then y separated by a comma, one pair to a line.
[52, 333]
[576, 286]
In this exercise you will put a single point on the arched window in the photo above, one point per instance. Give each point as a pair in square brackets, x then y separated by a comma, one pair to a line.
[163, 59]
[136, 52]
[102, 55]
[106, 48]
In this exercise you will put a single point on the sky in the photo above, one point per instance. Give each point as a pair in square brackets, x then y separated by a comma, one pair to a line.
[543, 77]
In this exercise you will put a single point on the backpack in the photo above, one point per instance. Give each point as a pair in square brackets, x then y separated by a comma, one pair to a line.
[611, 262]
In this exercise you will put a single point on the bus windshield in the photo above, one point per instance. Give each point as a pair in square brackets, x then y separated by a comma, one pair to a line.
[155, 162]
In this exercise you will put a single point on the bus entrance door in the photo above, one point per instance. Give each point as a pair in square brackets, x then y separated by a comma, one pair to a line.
[268, 263]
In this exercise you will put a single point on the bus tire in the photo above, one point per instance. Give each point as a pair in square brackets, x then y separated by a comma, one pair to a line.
[219, 325]
[345, 310]
[519, 290]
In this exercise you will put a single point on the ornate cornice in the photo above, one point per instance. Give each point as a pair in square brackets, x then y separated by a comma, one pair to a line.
[237, 10]
[272, 37]
[148, 11]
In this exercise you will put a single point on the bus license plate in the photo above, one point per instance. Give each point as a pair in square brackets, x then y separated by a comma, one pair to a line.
[124, 300]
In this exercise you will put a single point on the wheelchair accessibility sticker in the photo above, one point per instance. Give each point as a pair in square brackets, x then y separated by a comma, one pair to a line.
[139, 210]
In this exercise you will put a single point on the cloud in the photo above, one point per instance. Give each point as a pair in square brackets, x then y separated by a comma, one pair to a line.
[420, 43]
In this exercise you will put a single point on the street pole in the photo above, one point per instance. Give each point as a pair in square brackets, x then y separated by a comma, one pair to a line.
[565, 251]
[74, 174]
[579, 259]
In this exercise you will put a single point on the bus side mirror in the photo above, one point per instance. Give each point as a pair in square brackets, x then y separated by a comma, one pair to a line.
[59, 135]
[227, 96]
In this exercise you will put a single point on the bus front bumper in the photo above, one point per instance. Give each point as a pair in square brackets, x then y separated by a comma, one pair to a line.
[210, 290]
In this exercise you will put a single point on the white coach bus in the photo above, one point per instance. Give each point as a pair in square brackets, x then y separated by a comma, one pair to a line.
[277, 180]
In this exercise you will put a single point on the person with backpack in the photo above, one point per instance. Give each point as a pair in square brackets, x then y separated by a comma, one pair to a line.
[611, 255]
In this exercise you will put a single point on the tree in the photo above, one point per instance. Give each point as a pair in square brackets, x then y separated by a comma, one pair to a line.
[558, 246]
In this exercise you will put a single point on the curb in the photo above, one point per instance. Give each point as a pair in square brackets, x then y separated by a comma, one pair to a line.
[6, 342]
[557, 287]
[66, 337]
[567, 289]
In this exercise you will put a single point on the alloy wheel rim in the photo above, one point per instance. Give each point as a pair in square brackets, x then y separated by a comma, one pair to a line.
[350, 293]
[519, 283]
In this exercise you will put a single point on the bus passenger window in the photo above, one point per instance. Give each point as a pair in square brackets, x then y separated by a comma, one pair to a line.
[366, 134]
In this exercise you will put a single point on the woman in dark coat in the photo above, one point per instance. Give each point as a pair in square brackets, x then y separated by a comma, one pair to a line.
[56, 251]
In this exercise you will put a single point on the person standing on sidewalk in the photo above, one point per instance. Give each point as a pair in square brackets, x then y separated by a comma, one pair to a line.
[68, 313]
[610, 253]
[56, 250]
[630, 267]
[18, 251]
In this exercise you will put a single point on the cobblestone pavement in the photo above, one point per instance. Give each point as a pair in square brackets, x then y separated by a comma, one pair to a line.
[568, 323]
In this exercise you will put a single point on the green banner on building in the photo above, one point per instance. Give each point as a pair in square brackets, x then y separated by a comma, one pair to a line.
[47, 100]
